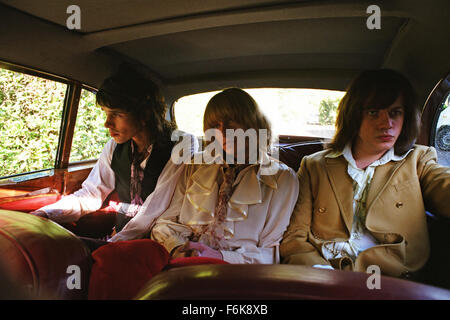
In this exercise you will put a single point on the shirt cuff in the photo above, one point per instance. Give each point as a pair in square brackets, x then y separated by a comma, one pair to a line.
[323, 266]
[232, 257]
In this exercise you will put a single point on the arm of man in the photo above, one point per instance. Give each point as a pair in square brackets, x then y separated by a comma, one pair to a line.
[160, 199]
[98, 185]
[167, 230]
[435, 183]
[295, 247]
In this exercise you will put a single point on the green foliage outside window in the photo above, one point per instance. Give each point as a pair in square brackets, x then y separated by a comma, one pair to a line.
[327, 111]
[30, 120]
[90, 133]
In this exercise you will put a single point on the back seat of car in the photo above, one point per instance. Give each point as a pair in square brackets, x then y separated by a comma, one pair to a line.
[275, 282]
[37, 252]
[292, 152]
[41, 260]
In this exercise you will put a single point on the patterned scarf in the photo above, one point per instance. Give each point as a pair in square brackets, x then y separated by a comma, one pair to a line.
[212, 234]
[137, 173]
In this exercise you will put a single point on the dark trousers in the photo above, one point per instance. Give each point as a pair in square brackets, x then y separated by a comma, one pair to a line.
[93, 244]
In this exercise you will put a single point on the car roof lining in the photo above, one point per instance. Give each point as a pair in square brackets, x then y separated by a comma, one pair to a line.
[190, 47]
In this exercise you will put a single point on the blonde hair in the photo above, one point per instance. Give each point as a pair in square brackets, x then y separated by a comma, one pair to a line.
[234, 104]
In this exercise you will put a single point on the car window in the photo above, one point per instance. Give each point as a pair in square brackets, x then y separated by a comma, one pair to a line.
[90, 135]
[298, 112]
[30, 120]
[442, 134]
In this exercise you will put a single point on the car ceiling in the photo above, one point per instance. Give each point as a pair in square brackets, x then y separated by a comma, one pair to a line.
[195, 46]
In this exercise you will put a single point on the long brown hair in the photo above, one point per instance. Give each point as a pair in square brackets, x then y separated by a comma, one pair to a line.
[234, 104]
[133, 92]
[376, 89]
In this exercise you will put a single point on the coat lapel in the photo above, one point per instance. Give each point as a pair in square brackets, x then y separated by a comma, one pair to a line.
[381, 178]
[342, 185]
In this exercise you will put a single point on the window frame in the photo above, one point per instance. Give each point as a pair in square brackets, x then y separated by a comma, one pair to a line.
[285, 137]
[432, 110]
[67, 125]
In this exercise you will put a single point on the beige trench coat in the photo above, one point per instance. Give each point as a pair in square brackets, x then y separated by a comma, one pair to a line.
[398, 196]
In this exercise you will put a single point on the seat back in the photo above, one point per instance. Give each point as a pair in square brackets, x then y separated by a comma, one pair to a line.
[436, 270]
[42, 259]
[238, 282]
[292, 153]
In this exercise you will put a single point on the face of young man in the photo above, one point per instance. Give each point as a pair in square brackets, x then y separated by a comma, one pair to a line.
[121, 125]
[380, 129]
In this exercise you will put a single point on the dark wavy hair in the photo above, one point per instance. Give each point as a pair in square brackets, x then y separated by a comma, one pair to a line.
[132, 92]
[376, 89]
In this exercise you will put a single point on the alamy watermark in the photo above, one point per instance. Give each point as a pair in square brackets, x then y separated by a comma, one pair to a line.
[74, 280]
[73, 22]
[374, 20]
[374, 280]
[242, 147]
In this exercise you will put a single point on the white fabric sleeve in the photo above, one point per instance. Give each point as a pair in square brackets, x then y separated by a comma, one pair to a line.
[167, 230]
[158, 201]
[323, 266]
[278, 215]
[250, 255]
[94, 190]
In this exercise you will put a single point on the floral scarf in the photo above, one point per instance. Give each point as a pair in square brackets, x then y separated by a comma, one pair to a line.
[137, 173]
[213, 233]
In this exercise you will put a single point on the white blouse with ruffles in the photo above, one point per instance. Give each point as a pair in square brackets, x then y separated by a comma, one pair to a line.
[258, 211]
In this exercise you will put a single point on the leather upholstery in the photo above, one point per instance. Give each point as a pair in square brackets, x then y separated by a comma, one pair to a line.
[292, 154]
[278, 282]
[36, 253]
[28, 203]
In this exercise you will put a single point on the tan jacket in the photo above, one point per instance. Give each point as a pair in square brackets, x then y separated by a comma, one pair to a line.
[257, 215]
[396, 202]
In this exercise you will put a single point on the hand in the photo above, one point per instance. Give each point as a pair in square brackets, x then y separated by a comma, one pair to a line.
[196, 249]
[39, 213]
[178, 253]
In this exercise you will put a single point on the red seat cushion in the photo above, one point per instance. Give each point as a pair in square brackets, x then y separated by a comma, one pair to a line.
[122, 268]
[28, 203]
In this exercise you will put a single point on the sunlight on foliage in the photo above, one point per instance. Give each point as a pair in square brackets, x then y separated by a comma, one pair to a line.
[290, 111]
[90, 134]
[30, 121]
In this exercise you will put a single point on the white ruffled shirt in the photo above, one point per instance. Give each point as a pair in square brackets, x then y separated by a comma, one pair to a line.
[258, 211]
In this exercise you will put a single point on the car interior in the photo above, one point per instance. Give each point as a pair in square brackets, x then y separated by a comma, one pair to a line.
[190, 47]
